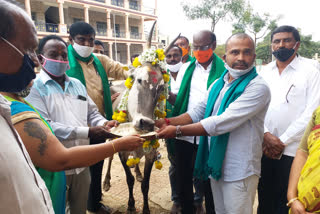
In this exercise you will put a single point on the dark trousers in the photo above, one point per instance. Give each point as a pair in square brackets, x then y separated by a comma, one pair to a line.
[95, 192]
[185, 158]
[273, 185]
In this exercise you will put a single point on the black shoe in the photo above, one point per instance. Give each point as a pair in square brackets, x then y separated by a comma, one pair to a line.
[104, 210]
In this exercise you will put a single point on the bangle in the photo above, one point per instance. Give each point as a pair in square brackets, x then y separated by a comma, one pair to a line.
[114, 149]
[291, 201]
[167, 121]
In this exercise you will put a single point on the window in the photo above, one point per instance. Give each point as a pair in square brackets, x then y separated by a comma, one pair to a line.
[133, 5]
[117, 3]
[117, 30]
[101, 28]
[77, 20]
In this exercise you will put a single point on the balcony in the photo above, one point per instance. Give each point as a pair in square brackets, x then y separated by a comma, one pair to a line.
[135, 35]
[118, 3]
[119, 34]
[46, 27]
[101, 32]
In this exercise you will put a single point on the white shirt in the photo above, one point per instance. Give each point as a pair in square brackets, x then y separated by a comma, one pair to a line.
[22, 190]
[295, 94]
[68, 112]
[174, 86]
[198, 88]
[244, 119]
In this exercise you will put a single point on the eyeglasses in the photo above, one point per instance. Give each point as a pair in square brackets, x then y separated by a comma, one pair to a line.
[201, 48]
[288, 92]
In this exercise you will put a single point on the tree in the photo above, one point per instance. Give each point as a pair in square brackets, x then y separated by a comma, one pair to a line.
[308, 48]
[220, 50]
[254, 23]
[215, 10]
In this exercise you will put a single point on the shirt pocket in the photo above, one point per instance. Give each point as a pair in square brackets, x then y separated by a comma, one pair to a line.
[296, 94]
[78, 108]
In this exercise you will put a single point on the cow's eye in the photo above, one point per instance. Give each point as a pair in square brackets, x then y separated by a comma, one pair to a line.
[139, 81]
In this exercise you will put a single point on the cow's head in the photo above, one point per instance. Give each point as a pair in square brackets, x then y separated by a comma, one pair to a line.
[144, 94]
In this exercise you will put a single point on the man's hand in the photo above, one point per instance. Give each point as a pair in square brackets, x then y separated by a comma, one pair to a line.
[114, 97]
[272, 146]
[160, 123]
[109, 124]
[128, 143]
[167, 132]
[298, 208]
[98, 134]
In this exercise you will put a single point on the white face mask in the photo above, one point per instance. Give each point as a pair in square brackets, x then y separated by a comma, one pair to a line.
[174, 68]
[83, 51]
[237, 73]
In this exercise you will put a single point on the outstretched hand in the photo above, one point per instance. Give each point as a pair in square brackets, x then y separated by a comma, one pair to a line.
[128, 143]
[110, 124]
[167, 132]
[99, 134]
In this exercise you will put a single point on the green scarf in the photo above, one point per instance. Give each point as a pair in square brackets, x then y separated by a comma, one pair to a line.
[210, 162]
[182, 101]
[189, 59]
[76, 72]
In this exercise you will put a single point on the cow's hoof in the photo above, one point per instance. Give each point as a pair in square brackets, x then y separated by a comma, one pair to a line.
[131, 210]
[146, 211]
[139, 177]
[106, 186]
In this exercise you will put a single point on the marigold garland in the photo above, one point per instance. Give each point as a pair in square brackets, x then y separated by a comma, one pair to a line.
[158, 164]
[129, 82]
[132, 162]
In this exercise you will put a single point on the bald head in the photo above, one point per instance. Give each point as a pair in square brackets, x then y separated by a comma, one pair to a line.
[240, 36]
[204, 36]
[11, 15]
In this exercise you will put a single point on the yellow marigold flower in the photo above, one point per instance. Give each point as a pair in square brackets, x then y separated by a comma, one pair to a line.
[161, 97]
[123, 114]
[158, 164]
[160, 54]
[146, 144]
[130, 162]
[166, 77]
[156, 145]
[115, 115]
[136, 62]
[121, 119]
[136, 161]
[160, 114]
[129, 82]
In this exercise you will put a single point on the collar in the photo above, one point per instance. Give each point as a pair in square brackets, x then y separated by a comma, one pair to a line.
[293, 64]
[89, 62]
[46, 78]
[200, 66]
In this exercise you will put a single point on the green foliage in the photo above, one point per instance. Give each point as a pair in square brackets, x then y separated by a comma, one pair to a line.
[308, 47]
[214, 10]
[220, 50]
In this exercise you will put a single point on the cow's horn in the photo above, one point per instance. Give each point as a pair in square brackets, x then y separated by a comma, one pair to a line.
[150, 35]
[171, 44]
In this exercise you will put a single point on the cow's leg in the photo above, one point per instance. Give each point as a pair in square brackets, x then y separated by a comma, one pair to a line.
[106, 183]
[150, 158]
[138, 173]
[130, 182]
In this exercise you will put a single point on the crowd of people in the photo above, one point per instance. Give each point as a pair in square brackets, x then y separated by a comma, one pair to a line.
[230, 131]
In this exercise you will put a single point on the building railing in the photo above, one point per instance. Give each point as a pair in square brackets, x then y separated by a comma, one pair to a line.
[118, 3]
[135, 35]
[46, 27]
[101, 32]
[119, 34]
[102, 1]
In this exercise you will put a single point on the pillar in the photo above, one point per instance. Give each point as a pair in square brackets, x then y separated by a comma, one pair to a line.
[128, 54]
[109, 29]
[86, 13]
[141, 6]
[126, 4]
[108, 2]
[126, 20]
[143, 36]
[110, 50]
[28, 7]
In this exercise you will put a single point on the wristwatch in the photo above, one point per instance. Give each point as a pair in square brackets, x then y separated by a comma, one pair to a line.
[178, 131]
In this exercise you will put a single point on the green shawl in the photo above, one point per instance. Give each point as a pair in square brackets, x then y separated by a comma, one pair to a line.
[210, 162]
[189, 59]
[181, 104]
[76, 72]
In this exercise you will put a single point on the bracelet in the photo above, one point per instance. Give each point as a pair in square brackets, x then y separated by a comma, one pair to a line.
[291, 201]
[167, 121]
[114, 149]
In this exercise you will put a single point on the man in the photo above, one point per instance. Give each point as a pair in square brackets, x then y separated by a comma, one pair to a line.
[93, 71]
[232, 115]
[294, 85]
[22, 189]
[98, 47]
[183, 43]
[193, 80]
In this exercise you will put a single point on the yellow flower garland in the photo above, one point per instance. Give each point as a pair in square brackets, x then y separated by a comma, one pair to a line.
[129, 82]
[158, 164]
[136, 62]
[132, 162]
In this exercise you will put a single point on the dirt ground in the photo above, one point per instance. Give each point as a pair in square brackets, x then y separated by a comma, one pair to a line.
[159, 192]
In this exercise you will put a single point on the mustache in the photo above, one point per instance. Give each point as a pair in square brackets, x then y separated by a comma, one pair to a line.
[240, 63]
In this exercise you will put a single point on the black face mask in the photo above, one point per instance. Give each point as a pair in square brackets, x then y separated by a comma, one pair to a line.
[283, 54]
[20, 80]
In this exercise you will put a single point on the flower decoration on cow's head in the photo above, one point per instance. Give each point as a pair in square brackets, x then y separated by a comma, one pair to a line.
[153, 56]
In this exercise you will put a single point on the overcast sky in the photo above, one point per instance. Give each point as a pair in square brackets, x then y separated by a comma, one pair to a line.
[303, 14]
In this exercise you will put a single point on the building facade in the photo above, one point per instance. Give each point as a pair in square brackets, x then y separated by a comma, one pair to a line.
[119, 24]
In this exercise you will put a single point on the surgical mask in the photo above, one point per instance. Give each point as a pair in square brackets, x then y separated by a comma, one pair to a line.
[174, 68]
[283, 54]
[184, 51]
[24, 93]
[203, 56]
[83, 51]
[56, 68]
[20, 80]
[235, 73]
